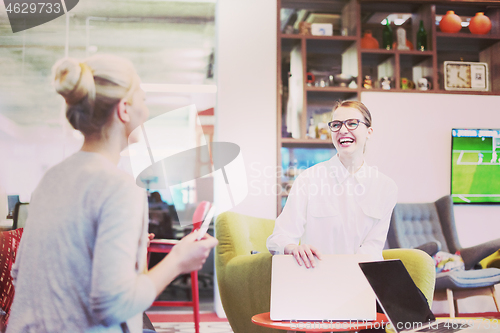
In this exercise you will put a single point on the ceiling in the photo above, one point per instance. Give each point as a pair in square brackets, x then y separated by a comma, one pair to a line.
[168, 42]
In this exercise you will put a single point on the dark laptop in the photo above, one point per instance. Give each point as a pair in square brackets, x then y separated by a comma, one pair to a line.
[405, 305]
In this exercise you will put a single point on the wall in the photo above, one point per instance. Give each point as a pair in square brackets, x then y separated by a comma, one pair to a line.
[411, 143]
[27, 156]
[246, 101]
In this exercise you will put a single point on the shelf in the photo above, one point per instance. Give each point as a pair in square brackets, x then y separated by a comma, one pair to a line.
[329, 95]
[434, 91]
[311, 37]
[398, 6]
[291, 36]
[413, 91]
[464, 42]
[466, 35]
[328, 46]
[413, 59]
[396, 51]
[492, 93]
[470, 8]
[333, 89]
[375, 57]
[322, 6]
[378, 51]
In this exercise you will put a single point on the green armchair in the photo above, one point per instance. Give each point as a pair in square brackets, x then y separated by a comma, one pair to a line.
[245, 279]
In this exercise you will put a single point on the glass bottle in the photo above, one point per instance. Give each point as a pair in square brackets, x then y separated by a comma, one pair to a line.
[387, 36]
[421, 37]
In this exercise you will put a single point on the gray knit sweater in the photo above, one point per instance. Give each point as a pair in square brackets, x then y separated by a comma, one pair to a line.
[82, 252]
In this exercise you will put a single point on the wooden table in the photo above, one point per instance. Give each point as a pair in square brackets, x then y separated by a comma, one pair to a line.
[263, 319]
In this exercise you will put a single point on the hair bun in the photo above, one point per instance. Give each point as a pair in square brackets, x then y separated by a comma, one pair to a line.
[72, 80]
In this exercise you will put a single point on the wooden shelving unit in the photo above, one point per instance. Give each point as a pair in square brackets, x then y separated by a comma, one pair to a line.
[342, 53]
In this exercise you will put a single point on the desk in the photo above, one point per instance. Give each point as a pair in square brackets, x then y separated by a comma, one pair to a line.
[263, 319]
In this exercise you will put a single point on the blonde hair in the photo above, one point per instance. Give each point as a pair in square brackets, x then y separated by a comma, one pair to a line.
[355, 105]
[92, 88]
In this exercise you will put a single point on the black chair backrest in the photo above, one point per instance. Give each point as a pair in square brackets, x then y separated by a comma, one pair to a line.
[20, 215]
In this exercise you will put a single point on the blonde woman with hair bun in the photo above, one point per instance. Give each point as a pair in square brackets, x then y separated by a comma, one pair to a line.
[81, 265]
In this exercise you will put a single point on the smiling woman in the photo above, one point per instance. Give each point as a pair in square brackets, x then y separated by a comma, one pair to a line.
[341, 206]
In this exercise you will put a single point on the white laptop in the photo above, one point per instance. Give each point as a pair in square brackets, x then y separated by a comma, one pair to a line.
[406, 306]
[335, 289]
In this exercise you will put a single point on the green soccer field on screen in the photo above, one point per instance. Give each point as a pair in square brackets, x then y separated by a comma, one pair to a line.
[475, 168]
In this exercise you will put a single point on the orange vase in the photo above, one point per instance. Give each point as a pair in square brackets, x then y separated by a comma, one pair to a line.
[450, 22]
[480, 24]
[368, 41]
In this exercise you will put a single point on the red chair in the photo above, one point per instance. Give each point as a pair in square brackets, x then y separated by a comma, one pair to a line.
[165, 246]
[9, 243]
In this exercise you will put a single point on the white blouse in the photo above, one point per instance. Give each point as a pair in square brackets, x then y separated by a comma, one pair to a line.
[337, 212]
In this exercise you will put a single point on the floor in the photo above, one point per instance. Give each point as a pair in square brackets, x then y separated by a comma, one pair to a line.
[206, 306]
[189, 327]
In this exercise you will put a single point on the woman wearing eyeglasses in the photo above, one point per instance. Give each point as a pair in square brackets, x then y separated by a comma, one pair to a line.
[341, 206]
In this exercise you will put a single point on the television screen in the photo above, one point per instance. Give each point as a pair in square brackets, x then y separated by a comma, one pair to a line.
[475, 166]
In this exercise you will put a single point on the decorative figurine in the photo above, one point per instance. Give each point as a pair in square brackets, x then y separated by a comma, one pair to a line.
[385, 83]
[367, 82]
[401, 33]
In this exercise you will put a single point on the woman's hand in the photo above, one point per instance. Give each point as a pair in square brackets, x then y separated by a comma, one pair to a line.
[187, 256]
[191, 254]
[303, 253]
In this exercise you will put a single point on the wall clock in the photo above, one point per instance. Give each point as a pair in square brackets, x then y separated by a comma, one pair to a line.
[465, 76]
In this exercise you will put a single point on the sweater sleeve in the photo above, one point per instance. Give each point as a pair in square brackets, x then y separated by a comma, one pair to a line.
[119, 290]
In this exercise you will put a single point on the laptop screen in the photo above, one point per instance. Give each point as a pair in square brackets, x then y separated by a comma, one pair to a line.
[402, 301]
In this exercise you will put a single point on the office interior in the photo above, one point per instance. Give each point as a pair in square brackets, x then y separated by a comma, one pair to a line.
[228, 50]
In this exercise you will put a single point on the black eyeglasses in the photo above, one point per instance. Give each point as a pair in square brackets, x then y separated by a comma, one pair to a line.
[350, 124]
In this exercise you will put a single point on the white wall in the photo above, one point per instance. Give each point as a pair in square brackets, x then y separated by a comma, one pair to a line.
[27, 156]
[411, 143]
[246, 100]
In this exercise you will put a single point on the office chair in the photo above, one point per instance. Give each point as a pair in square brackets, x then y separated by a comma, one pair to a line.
[165, 246]
[9, 243]
[20, 215]
[245, 279]
[432, 226]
